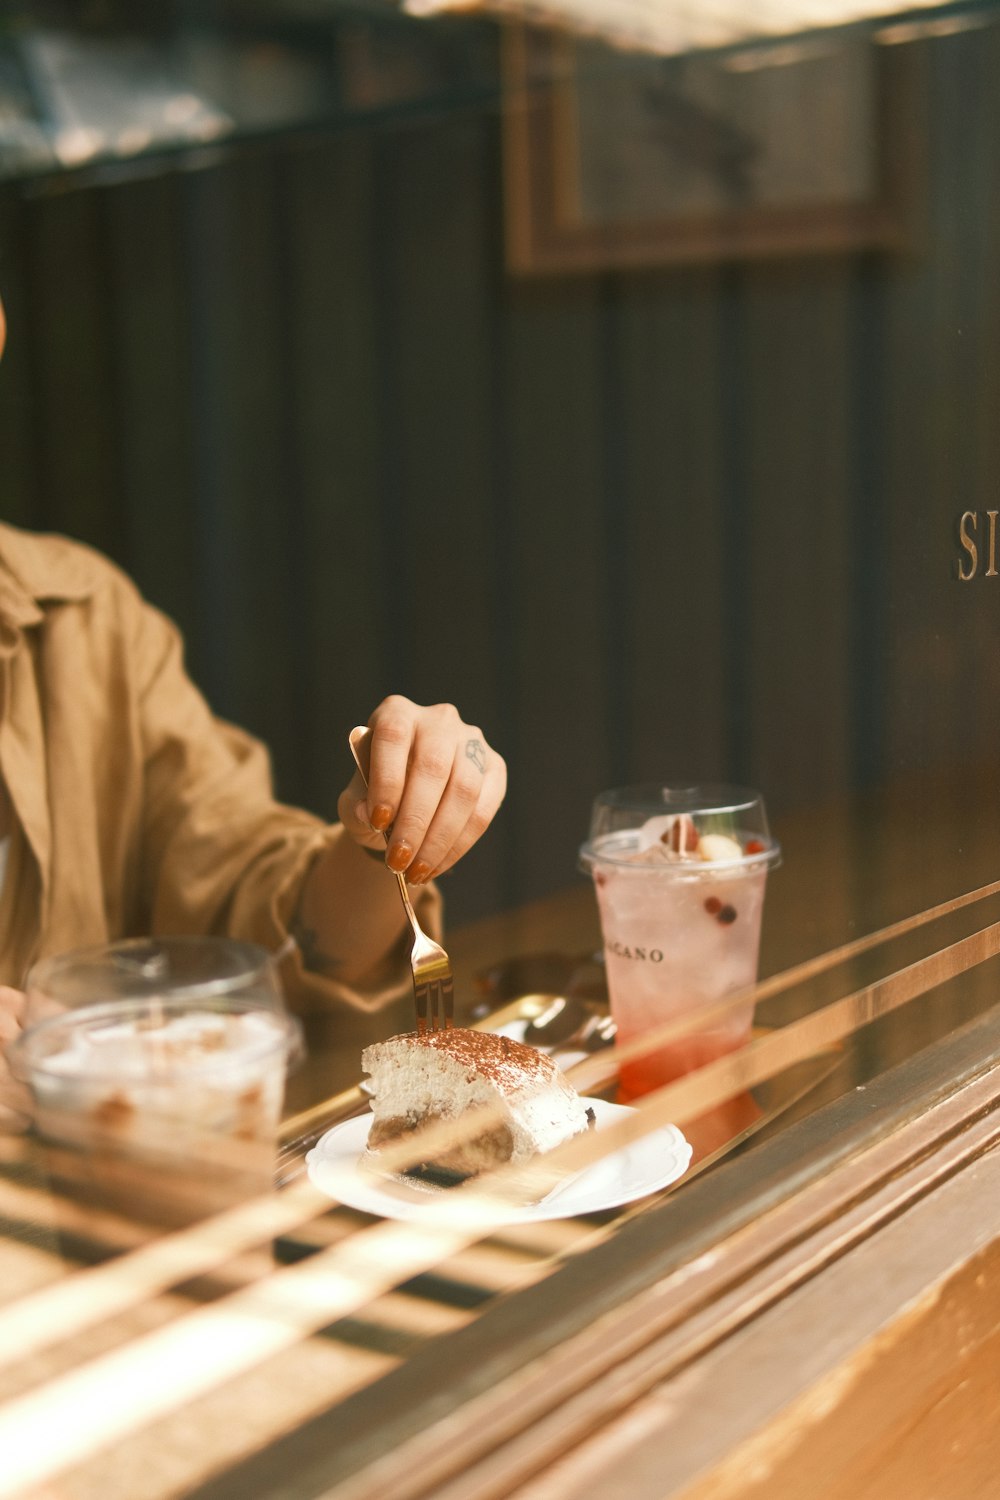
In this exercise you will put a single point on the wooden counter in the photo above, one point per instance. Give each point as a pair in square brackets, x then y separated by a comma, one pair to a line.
[740, 1336]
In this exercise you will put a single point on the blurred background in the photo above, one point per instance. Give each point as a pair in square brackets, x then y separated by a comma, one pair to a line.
[622, 372]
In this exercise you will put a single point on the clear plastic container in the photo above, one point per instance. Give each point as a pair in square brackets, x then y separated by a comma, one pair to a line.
[679, 875]
[159, 1068]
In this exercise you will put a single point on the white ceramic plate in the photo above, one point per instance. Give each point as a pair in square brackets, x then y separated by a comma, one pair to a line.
[643, 1167]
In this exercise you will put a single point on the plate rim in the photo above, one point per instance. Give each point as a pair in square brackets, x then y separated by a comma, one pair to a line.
[562, 1207]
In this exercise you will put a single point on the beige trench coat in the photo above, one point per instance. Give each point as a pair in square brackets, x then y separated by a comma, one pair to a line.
[135, 810]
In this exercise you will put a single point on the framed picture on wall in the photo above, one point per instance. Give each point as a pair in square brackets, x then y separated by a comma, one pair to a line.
[616, 159]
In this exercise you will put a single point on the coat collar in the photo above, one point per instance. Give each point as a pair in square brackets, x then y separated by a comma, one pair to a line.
[35, 569]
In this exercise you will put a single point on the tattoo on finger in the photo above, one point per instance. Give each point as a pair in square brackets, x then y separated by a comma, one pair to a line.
[476, 751]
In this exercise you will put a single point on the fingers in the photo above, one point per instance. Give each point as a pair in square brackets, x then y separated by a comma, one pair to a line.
[394, 735]
[352, 810]
[439, 851]
[434, 781]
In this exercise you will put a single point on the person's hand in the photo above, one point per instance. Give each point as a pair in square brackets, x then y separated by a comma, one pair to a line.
[432, 779]
[15, 1100]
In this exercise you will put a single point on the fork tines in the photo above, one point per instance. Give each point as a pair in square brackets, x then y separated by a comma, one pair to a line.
[435, 1004]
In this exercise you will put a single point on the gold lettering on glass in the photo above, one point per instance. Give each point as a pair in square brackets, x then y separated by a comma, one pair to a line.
[967, 541]
[991, 571]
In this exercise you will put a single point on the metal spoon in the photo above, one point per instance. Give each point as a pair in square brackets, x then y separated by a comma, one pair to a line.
[569, 1026]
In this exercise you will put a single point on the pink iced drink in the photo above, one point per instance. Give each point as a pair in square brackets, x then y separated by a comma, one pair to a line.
[681, 919]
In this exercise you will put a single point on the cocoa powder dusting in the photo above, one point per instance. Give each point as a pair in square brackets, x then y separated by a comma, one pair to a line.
[499, 1059]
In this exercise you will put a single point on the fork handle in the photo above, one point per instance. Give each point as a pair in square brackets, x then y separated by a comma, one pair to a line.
[358, 741]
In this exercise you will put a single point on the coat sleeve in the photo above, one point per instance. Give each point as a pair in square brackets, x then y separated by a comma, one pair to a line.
[219, 854]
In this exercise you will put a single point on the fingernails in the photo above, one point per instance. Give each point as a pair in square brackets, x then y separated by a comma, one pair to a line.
[399, 857]
[418, 873]
[381, 817]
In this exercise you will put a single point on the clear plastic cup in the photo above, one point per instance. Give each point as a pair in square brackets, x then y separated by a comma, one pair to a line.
[679, 874]
[157, 1071]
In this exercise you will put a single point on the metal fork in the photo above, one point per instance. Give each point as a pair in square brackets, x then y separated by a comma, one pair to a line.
[433, 985]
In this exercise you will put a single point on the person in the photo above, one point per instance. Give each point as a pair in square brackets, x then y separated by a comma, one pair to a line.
[128, 808]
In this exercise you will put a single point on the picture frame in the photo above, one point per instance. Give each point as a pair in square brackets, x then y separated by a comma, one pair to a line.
[618, 160]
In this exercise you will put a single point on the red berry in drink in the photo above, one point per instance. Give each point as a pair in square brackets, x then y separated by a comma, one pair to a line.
[713, 906]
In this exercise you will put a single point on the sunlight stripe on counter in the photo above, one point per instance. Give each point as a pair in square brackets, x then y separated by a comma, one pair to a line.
[61, 1424]
[91, 1295]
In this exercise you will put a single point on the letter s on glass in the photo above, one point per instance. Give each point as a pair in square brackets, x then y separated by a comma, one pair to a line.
[968, 543]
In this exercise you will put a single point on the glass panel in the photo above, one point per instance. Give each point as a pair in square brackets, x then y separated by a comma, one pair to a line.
[634, 391]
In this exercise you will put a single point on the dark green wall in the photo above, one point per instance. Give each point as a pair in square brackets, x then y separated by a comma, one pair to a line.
[695, 522]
